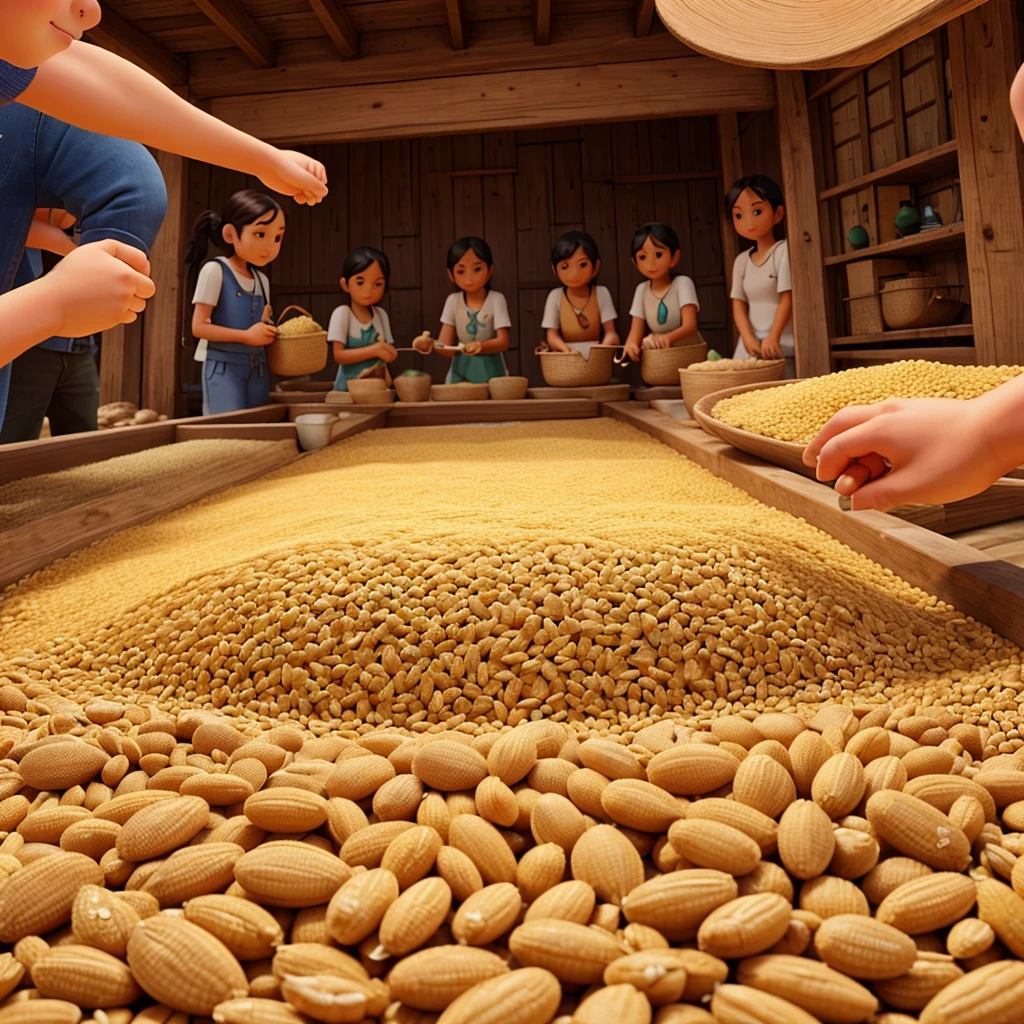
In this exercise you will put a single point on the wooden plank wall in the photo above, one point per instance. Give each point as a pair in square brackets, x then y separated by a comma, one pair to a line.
[520, 190]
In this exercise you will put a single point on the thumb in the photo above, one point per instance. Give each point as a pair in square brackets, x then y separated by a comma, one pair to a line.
[135, 258]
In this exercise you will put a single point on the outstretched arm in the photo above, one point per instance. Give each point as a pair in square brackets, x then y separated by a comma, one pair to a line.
[88, 87]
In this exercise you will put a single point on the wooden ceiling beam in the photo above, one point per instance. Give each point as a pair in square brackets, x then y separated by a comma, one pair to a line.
[455, 24]
[339, 26]
[542, 32]
[231, 17]
[119, 36]
[644, 17]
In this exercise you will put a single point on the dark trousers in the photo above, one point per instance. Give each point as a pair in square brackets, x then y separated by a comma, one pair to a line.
[62, 385]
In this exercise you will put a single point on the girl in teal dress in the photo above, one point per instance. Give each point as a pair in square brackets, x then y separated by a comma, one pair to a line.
[360, 333]
[475, 318]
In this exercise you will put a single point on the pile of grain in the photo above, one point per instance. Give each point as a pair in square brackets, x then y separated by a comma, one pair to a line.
[617, 586]
[798, 411]
[157, 469]
[774, 868]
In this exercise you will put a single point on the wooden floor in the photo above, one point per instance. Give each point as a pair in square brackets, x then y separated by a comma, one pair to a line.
[1004, 540]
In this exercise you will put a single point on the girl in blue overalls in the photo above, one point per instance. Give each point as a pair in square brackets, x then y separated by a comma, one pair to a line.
[230, 297]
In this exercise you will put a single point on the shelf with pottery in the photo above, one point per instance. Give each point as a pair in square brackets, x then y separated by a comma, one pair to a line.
[947, 236]
[914, 334]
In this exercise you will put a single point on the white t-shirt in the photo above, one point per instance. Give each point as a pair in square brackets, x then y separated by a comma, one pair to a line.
[495, 301]
[553, 308]
[681, 292]
[211, 278]
[759, 287]
[344, 325]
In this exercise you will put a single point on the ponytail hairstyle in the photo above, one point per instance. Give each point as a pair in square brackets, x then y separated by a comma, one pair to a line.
[765, 188]
[566, 246]
[242, 209]
[662, 234]
[361, 259]
[470, 243]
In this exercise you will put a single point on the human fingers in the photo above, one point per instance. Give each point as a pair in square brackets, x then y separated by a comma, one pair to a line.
[135, 258]
[864, 439]
[136, 303]
[858, 473]
[843, 420]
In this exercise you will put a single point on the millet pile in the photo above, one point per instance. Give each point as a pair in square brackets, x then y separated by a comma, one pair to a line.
[796, 412]
[257, 762]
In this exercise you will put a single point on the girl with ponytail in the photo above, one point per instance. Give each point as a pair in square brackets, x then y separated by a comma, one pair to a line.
[231, 294]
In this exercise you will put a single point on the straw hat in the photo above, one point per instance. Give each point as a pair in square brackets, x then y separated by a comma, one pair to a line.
[805, 33]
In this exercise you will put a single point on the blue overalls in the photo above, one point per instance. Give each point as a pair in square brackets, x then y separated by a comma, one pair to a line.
[235, 375]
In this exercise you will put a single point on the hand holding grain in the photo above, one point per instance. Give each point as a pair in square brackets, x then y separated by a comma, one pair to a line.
[99, 286]
[260, 334]
[905, 451]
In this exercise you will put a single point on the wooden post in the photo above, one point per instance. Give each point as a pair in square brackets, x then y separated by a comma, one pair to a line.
[803, 229]
[982, 63]
[731, 161]
[161, 329]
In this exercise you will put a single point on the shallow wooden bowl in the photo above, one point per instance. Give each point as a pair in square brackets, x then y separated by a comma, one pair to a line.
[463, 392]
[787, 454]
[368, 391]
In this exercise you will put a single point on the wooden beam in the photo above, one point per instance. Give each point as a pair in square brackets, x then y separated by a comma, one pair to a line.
[981, 57]
[497, 46]
[339, 25]
[542, 27]
[161, 328]
[810, 317]
[232, 18]
[455, 25]
[119, 36]
[529, 99]
[987, 588]
[731, 162]
[644, 17]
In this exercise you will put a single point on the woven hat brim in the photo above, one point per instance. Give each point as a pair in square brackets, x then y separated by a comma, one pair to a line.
[805, 34]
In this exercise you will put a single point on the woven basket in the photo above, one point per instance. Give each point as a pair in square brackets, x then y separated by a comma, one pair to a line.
[509, 389]
[464, 392]
[698, 383]
[370, 391]
[910, 303]
[660, 367]
[300, 354]
[574, 370]
[413, 389]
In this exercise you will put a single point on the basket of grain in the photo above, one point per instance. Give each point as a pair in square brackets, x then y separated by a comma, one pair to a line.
[910, 303]
[370, 391]
[574, 370]
[659, 367]
[700, 379]
[413, 386]
[464, 392]
[300, 346]
[508, 388]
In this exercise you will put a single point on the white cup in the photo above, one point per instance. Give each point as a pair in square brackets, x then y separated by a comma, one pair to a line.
[315, 429]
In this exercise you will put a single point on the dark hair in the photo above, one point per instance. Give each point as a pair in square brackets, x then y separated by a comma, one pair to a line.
[469, 243]
[242, 209]
[661, 233]
[567, 245]
[762, 186]
[361, 259]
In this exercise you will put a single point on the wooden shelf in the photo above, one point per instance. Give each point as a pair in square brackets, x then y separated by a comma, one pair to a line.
[939, 162]
[947, 236]
[918, 334]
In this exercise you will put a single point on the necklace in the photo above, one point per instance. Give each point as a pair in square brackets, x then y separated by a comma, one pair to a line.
[662, 308]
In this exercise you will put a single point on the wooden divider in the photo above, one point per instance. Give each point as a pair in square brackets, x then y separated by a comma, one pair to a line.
[989, 589]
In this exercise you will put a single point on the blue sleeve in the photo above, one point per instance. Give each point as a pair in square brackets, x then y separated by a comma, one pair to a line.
[112, 186]
[14, 81]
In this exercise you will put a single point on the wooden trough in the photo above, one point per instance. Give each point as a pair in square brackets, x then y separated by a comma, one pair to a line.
[986, 588]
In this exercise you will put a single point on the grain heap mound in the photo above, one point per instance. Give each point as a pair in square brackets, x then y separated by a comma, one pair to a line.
[281, 787]
[298, 325]
[796, 412]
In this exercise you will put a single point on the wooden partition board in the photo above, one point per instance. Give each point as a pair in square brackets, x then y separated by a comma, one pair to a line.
[236, 432]
[52, 454]
[990, 590]
[422, 414]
